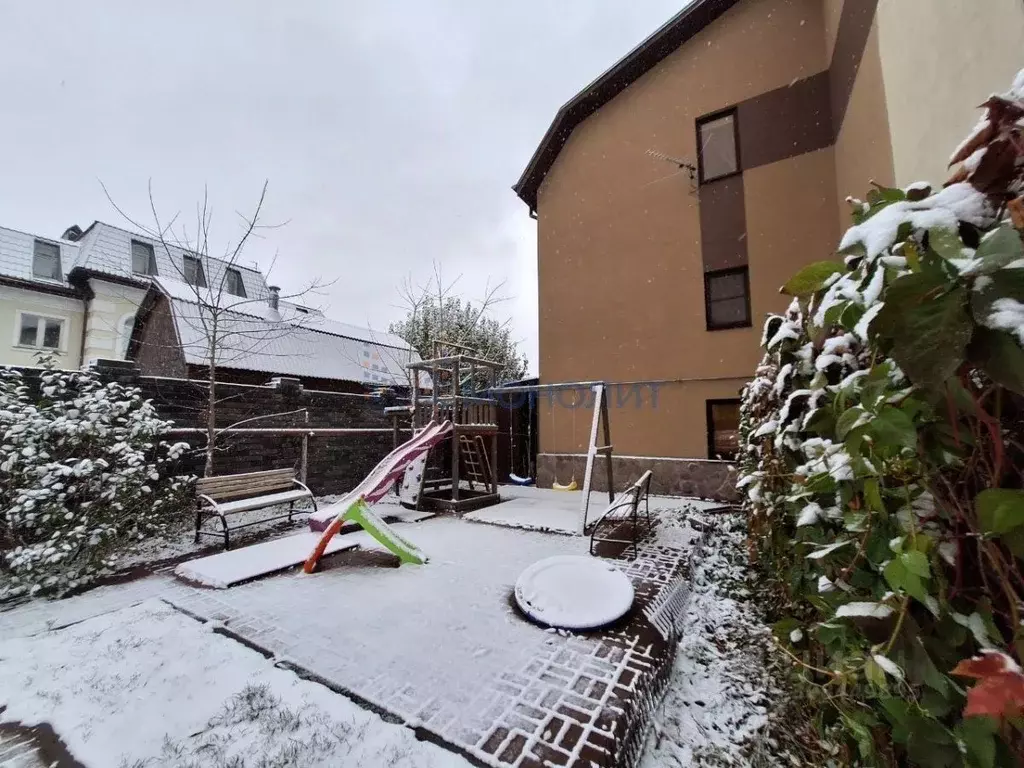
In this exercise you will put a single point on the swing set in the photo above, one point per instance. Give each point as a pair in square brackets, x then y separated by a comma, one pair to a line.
[598, 423]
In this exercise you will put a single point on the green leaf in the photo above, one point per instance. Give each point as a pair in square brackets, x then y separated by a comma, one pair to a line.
[850, 316]
[1008, 285]
[916, 563]
[896, 711]
[900, 577]
[998, 354]
[892, 427]
[849, 419]
[946, 243]
[1000, 510]
[978, 736]
[998, 248]
[930, 744]
[1014, 541]
[932, 337]
[811, 278]
[875, 674]
[873, 495]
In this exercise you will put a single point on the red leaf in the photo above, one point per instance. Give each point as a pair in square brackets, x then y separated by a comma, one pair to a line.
[997, 696]
[987, 665]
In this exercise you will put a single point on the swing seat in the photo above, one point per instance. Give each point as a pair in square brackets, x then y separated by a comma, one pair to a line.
[517, 480]
[556, 486]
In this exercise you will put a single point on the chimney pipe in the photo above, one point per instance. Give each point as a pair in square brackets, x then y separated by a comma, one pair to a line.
[275, 296]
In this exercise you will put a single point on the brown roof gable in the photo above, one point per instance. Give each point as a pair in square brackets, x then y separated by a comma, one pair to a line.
[676, 31]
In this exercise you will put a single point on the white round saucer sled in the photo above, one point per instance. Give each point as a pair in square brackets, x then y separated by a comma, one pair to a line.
[574, 592]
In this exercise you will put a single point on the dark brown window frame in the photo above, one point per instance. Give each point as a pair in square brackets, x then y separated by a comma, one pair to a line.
[709, 407]
[234, 271]
[151, 267]
[735, 135]
[200, 274]
[745, 271]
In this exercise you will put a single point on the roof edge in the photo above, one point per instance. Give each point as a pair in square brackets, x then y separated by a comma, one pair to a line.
[644, 57]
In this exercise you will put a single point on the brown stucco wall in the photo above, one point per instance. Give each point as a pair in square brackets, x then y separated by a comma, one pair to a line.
[863, 150]
[155, 347]
[621, 288]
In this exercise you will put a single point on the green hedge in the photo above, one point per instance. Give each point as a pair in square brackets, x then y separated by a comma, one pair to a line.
[883, 450]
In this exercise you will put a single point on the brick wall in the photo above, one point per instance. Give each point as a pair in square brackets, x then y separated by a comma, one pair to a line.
[336, 463]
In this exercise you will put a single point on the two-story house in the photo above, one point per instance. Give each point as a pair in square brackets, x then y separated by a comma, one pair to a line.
[680, 189]
[78, 297]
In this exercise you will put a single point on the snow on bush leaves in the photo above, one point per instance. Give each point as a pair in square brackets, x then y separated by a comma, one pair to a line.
[883, 466]
[83, 473]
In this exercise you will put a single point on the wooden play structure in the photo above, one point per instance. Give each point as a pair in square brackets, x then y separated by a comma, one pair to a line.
[458, 394]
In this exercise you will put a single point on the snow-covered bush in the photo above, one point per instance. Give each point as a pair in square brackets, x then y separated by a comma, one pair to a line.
[883, 467]
[83, 474]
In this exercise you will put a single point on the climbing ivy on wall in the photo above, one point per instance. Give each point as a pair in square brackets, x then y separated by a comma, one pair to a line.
[883, 468]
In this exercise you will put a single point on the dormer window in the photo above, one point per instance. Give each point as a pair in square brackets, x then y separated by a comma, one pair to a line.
[143, 258]
[233, 283]
[194, 274]
[46, 261]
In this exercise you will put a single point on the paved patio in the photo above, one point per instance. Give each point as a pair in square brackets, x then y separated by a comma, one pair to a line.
[441, 646]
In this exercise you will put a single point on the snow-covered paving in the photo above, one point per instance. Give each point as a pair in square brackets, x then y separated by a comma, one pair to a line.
[716, 710]
[147, 685]
[441, 645]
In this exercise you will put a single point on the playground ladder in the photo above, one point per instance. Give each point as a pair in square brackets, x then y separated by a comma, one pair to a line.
[475, 461]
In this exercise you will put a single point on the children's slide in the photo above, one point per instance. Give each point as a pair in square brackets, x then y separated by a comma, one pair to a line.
[383, 476]
[355, 506]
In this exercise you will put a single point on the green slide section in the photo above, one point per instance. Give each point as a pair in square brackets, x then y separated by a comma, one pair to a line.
[361, 514]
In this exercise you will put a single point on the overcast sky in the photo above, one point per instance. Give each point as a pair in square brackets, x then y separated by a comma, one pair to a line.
[390, 132]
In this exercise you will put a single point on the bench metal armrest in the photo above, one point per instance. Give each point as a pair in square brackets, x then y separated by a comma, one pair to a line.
[213, 504]
[306, 489]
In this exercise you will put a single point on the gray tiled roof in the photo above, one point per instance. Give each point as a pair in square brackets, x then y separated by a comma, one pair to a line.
[287, 342]
[17, 250]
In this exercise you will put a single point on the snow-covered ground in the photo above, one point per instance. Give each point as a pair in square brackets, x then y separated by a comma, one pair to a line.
[716, 711]
[147, 686]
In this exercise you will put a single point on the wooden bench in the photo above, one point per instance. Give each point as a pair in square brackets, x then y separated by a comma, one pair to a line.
[219, 497]
[625, 509]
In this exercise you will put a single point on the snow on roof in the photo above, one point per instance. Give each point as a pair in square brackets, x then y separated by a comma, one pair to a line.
[286, 342]
[107, 249]
[17, 250]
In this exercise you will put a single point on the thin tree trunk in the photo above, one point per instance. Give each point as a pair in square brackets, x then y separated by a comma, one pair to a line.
[211, 404]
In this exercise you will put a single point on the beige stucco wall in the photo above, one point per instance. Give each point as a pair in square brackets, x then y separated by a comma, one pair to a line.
[863, 152]
[940, 59]
[112, 305]
[621, 286]
[14, 301]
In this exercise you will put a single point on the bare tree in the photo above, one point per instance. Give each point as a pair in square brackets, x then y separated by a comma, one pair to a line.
[435, 314]
[219, 323]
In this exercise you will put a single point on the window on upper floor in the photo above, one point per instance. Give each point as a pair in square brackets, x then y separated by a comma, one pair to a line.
[233, 282]
[727, 299]
[143, 258]
[194, 274]
[723, 428]
[40, 332]
[718, 146]
[46, 261]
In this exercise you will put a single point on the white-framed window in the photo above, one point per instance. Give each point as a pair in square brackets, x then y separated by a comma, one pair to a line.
[143, 258]
[234, 283]
[46, 260]
[40, 332]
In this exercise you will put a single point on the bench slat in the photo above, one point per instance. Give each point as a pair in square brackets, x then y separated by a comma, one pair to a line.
[252, 482]
[244, 505]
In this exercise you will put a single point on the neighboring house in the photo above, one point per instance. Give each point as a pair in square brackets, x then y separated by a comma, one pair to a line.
[261, 339]
[650, 272]
[78, 296]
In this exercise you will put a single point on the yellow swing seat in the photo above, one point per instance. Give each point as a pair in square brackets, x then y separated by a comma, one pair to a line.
[556, 486]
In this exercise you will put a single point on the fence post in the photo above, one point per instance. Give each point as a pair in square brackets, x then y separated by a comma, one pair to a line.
[304, 468]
